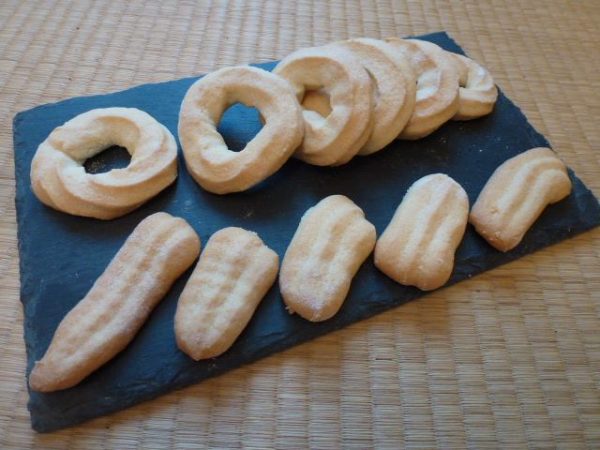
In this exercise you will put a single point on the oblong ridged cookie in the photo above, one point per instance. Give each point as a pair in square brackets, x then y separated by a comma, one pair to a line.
[234, 273]
[417, 247]
[158, 251]
[516, 194]
[329, 246]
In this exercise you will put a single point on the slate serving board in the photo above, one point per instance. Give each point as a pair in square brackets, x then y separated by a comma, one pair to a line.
[62, 255]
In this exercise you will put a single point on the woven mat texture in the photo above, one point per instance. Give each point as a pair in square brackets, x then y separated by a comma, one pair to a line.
[510, 359]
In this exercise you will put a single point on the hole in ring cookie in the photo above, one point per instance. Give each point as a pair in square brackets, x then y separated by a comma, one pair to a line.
[318, 101]
[114, 157]
[239, 124]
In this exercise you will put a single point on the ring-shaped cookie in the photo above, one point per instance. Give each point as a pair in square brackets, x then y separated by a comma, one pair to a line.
[335, 139]
[218, 169]
[394, 85]
[59, 179]
[437, 86]
[395, 89]
[477, 93]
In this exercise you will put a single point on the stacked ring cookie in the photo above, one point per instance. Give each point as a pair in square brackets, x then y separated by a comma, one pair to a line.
[437, 86]
[477, 93]
[394, 88]
[209, 161]
[337, 138]
[59, 180]
[355, 97]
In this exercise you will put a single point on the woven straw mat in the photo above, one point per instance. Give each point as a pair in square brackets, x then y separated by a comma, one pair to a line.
[510, 359]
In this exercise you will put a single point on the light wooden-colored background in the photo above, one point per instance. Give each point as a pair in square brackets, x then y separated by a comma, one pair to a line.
[510, 359]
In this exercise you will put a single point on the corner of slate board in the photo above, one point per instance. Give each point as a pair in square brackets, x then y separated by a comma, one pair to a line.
[62, 255]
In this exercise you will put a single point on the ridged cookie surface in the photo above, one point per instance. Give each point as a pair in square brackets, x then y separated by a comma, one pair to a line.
[417, 247]
[516, 194]
[158, 251]
[330, 244]
[234, 273]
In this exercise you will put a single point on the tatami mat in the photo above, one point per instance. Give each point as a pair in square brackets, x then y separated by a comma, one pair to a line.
[508, 360]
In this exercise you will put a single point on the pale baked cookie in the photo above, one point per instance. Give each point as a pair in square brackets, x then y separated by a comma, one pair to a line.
[209, 161]
[60, 181]
[437, 86]
[516, 194]
[234, 273]
[329, 246]
[394, 86]
[158, 251]
[334, 139]
[417, 247]
[477, 93]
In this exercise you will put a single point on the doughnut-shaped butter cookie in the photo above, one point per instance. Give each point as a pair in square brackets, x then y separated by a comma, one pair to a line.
[516, 194]
[60, 181]
[395, 90]
[334, 139]
[477, 93]
[437, 86]
[234, 273]
[158, 251]
[218, 169]
[417, 247]
[329, 246]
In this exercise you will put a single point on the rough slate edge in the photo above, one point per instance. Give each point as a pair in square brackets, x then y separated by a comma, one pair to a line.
[48, 420]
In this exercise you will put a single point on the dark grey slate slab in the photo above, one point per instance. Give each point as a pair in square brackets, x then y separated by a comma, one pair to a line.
[62, 255]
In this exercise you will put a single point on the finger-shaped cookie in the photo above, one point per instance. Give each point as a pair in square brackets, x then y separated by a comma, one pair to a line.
[477, 93]
[330, 244]
[209, 161]
[417, 247]
[516, 194]
[158, 251]
[437, 86]
[335, 139]
[60, 181]
[234, 273]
